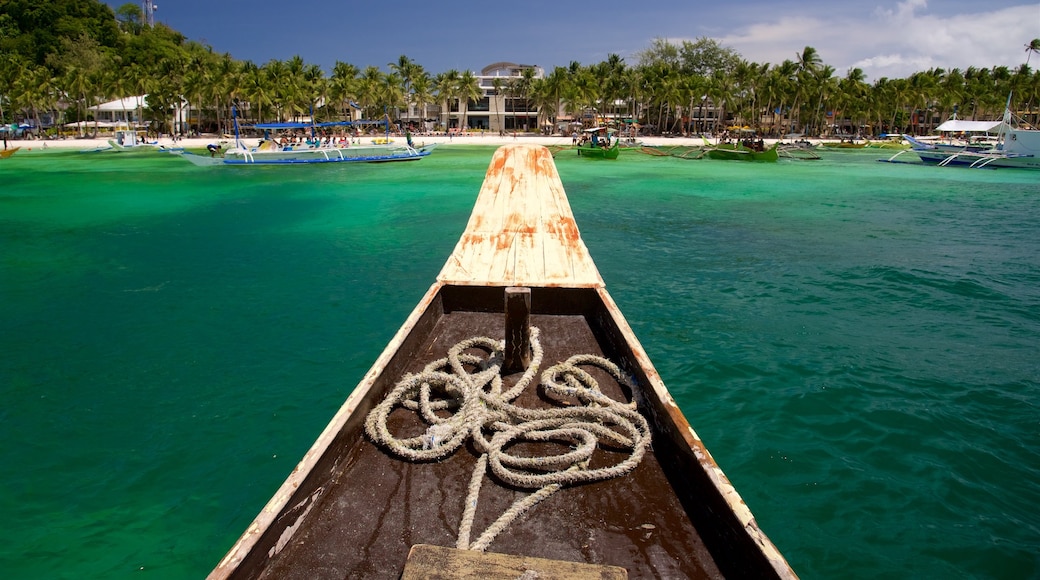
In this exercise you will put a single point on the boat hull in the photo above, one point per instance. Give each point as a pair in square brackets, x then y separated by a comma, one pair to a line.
[358, 510]
[356, 505]
[372, 154]
[589, 152]
[731, 152]
[1020, 149]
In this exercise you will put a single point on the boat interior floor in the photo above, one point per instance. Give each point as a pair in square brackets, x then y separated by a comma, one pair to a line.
[372, 507]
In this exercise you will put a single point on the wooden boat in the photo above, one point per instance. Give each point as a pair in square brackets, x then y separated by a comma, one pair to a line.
[896, 142]
[594, 152]
[494, 457]
[267, 153]
[742, 152]
[596, 144]
[1016, 144]
[8, 152]
[847, 143]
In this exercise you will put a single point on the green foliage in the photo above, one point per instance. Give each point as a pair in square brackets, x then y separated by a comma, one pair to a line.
[34, 29]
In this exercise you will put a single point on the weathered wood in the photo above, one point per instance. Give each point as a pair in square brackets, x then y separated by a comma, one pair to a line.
[517, 355]
[521, 231]
[350, 509]
[426, 562]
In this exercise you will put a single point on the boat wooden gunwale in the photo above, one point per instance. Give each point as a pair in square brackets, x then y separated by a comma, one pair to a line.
[351, 509]
[594, 152]
[740, 152]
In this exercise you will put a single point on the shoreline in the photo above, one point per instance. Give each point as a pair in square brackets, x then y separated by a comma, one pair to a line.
[89, 144]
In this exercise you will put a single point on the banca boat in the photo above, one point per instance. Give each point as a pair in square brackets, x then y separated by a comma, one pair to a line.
[4, 154]
[315, 149]
[747, 150]
[1016, 145]
[506, 431]
[599, 144]
[845, 143]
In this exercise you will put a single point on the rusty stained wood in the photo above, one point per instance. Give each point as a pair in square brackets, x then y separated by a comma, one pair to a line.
[521, 231]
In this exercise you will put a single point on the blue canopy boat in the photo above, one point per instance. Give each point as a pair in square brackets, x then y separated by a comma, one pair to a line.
[315, 149]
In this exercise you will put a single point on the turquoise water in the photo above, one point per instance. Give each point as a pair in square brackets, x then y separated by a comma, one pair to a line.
[856, 343]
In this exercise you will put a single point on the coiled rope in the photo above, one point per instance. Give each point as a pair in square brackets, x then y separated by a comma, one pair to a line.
[477, 406]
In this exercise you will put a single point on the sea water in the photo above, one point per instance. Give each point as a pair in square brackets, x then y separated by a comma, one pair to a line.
[857, 343]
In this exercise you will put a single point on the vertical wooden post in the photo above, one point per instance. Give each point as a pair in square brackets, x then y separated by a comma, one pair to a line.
[517, 354]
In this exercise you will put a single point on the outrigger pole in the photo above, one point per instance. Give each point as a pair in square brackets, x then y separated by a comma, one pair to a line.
[234, 117]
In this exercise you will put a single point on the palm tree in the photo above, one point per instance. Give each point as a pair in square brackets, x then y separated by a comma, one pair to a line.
[422, 94]
[468, 90]
[446, 88]
[343, 86]
[808, 61]
[497, 85]
[520, 87]
[370, 84]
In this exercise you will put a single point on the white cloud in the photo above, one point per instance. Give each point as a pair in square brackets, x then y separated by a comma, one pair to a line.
[896, 42]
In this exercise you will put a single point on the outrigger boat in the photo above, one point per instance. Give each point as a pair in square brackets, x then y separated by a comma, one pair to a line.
[8, 152]
[514, 427]
[270, 151]
[845, 143]
[1016, 145]
[743, 150]
[599, 145]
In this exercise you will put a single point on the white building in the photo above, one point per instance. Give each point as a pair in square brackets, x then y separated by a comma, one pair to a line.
[495, 111]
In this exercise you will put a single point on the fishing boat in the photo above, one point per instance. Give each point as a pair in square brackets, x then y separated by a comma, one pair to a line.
[744, 150]
[845, 143]
[131, 140]
[896, 142]
[8, 152]
[271, 153]
[514, 427]
[1016, 145]
[598, 144]
[313, 149]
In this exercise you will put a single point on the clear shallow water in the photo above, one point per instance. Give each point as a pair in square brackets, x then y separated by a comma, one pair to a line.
[856, 342]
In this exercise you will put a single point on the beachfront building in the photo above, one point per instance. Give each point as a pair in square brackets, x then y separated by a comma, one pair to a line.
[131, 112]
[504, 105]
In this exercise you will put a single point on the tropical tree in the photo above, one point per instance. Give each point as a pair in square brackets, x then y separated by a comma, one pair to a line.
[422, 94]
[497, 85]
[344, 86]
[446, 86]
[520, 87]
[468, 90]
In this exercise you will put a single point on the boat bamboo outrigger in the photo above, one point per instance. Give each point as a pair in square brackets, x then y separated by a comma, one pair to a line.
[313, 149]
[597, 144]
[506, 431]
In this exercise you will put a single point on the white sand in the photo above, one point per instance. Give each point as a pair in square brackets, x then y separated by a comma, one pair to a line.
[472, 139]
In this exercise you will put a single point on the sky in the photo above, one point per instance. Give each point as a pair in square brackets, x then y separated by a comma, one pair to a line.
[885, 38]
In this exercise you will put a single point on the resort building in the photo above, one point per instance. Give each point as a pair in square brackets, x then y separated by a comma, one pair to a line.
[503, 105]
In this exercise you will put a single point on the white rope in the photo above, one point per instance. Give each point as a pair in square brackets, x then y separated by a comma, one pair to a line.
[460, 405]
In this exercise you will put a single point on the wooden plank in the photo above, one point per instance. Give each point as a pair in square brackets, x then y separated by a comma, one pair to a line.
[426, 562]
[521, 231]
[517, 353]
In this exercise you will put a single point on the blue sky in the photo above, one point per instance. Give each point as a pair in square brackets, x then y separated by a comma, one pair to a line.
[886, 38]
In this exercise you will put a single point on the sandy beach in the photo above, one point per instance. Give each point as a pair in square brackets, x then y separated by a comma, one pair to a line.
[37, 145]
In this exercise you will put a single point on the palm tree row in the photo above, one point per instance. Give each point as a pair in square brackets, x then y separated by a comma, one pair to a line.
[669, 90]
